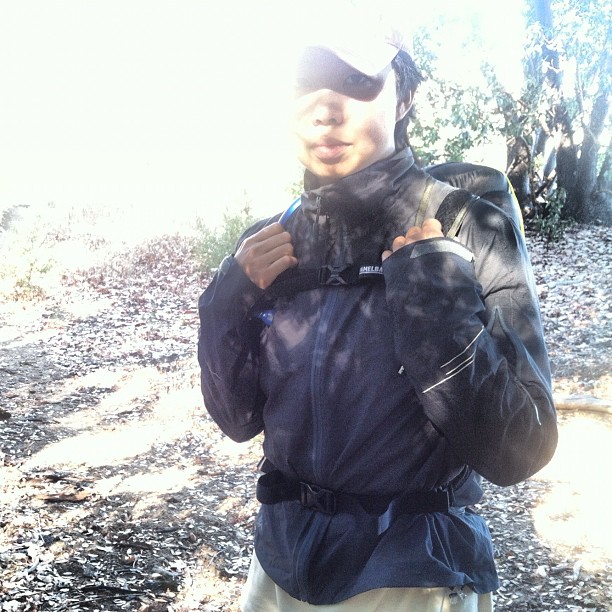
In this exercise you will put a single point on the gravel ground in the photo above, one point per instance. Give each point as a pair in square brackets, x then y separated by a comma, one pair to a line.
[118, 493]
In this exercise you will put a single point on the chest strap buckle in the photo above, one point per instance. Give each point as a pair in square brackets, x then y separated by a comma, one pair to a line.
[334, 275]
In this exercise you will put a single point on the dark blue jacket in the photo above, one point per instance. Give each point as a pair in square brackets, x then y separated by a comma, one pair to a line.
[395, 384]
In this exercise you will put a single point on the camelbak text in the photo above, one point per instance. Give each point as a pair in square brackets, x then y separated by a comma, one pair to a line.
[370, 271]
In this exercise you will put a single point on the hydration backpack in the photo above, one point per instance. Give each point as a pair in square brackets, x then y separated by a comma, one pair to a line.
[481, 181]
[472, 181]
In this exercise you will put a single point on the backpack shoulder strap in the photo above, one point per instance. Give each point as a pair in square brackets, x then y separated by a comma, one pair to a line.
[424, 203]
[452, 211]
[451, 214]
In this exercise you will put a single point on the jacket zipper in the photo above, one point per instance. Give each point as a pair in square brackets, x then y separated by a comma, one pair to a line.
[303, 559]
[304, 555]
[320, 349]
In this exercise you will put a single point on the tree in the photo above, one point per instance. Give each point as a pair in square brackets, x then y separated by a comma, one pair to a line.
[450, 118]
[554, 127]
[555, 155]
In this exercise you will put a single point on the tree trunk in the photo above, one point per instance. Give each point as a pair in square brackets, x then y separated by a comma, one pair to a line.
[550, 55]
[587, 192]
[518, 172]
[602, 196]
[587, 210]
[605, 173]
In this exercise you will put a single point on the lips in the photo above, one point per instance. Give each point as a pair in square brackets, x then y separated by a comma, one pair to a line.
[329, 150]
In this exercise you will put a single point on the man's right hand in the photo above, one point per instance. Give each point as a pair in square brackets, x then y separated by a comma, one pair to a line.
[264, 255]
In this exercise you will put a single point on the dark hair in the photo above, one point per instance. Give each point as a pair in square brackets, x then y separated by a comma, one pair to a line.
[407, 79]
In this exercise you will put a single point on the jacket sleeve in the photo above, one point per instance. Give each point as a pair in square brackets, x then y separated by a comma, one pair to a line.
[467, 330]
[227, 352]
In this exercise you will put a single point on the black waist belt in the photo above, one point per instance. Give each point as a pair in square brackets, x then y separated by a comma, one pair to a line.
[273, 488]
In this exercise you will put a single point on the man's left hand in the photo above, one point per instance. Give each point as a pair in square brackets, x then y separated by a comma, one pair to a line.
[431, 228]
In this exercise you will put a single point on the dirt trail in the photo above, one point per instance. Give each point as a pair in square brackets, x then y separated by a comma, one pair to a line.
[118, 493]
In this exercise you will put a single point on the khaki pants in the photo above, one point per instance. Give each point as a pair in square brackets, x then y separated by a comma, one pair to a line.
[262, 595]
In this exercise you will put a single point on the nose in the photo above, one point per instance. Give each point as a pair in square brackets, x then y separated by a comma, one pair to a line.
[327, 108]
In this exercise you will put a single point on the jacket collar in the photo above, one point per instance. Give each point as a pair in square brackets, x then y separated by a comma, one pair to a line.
[358, 196]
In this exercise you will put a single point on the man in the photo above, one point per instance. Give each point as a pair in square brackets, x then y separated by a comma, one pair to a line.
[389, 366]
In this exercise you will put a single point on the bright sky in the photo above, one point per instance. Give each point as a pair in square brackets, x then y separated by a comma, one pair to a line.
[160, 104]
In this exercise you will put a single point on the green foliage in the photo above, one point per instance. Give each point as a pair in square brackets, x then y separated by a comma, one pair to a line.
[450, 117]
[26, 253]
[296, 187]
[566, 71]
[213, 244]
[548, 220]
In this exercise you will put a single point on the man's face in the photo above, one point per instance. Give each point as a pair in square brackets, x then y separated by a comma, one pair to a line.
[344, 121]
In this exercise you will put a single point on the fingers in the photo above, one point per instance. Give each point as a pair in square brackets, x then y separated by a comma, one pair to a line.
[398, 243]
[266, 254]
[268, 274]
[265, 249]
[431, 228]
[269, 252]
